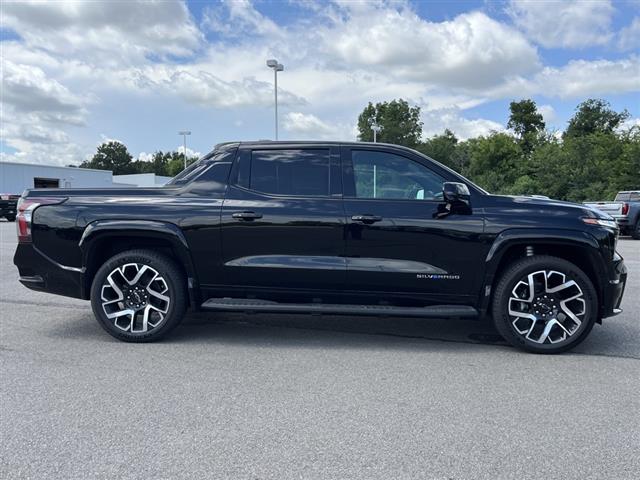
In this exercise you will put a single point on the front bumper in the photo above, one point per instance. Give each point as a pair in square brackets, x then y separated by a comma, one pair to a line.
[614, 290]
[39, 272]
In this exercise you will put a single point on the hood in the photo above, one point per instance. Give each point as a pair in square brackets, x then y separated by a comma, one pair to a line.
[542, 205]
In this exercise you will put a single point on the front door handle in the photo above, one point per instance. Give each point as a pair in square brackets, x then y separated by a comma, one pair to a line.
[247, 215]
[366, 218]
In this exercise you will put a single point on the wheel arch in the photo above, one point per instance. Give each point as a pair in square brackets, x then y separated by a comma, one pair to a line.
[102, 239]
[577, 247]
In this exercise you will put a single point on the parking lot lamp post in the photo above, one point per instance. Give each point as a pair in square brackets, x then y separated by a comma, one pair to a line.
[184, 134]
[376, 129]
[277, 67]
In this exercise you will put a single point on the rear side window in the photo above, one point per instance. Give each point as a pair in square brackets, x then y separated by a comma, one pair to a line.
[302, 172]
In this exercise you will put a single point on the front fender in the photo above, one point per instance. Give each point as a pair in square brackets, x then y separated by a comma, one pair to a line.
[540, 236]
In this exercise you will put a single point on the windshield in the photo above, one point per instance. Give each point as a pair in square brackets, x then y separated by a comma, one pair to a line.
[191, 171]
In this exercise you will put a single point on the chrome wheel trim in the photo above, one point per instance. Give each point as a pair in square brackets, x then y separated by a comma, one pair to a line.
[545, 308]
[135, 298]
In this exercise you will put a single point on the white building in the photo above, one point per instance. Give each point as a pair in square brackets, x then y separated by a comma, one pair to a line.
[16, 177]
[142, 179]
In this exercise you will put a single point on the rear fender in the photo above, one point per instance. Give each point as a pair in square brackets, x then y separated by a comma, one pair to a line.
[97, 231]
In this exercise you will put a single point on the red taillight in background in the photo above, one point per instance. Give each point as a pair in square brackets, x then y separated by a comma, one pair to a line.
[26, 206]
[625, 208]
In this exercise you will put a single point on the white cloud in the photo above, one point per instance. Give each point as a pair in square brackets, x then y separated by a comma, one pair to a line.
[238, 17]
[471, 51]
[564, 23]
[190, 152]
[576, 79]
[548, 114]
[436, 121]
[27, 90]
[629, 36]
[303, 126]
[581, 78]
[112, 32]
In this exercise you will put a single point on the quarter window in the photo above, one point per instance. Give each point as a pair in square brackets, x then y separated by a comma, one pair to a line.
[291, 172]
[388, 176]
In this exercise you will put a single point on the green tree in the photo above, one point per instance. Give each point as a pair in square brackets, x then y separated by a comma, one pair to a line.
[112, 156]
[441, 148]
[494, 162]
[400, 123]
[526, 122]
[176, 163]
[594, 116]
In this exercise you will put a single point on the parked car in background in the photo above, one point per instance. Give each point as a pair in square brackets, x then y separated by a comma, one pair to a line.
[324, 228]
[8, 205]
[625, 209]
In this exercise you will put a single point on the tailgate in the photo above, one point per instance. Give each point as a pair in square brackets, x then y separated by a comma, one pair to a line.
[612, 208]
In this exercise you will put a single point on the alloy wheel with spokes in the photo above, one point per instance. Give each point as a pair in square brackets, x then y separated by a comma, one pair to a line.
[546, 307]
[135, 297]
[139, 295]
[544, 304]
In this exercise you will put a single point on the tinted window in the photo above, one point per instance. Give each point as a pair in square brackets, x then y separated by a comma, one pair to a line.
[385, 175]
[290, 172]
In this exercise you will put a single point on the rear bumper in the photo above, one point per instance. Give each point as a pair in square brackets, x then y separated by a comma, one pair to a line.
[41, 273]
[614, 290]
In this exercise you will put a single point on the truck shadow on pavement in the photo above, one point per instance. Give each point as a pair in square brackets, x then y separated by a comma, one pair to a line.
[271, 329]
[290, 330]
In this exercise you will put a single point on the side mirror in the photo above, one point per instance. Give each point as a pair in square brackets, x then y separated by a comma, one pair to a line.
[456, 193]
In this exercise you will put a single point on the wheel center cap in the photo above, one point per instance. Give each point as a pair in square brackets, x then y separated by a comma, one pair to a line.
[136, 297]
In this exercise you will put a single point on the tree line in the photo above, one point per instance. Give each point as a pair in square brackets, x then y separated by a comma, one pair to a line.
[594, 158]
[114, 156]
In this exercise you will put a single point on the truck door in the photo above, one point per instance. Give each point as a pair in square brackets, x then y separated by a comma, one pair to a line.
[397, 244]
[283, 223]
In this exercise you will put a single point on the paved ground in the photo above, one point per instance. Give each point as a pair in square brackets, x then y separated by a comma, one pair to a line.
[257, 397]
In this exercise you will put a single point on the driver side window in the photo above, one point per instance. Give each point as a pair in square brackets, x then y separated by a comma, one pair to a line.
[388, 176]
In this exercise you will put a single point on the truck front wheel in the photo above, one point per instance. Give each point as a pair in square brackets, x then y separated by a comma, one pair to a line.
[544, 304]
[139, 296]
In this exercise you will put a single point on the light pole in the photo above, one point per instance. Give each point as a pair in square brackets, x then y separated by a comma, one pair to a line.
[184, 134]
[277, 67]
[376, 129]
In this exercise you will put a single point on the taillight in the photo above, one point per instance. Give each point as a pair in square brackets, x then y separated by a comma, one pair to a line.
[26, 206]
[625, 208]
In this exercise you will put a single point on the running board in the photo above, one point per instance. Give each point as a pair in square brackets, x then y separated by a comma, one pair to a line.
[252, 305]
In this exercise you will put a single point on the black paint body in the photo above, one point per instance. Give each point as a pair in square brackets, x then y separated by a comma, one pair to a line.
[236, 242]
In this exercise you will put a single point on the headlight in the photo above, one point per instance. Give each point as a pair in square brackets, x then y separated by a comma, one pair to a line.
[600, 221]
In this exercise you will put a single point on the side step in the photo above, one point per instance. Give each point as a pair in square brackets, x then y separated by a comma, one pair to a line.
[252, 305]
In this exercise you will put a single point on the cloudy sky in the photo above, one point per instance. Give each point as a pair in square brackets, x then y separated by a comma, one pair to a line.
[77, 73]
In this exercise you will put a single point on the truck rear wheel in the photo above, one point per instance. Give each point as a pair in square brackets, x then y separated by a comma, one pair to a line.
[635, 231]
[544, 304]
[139, 296]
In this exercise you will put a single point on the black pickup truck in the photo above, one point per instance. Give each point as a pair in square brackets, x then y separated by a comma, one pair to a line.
[324, 228]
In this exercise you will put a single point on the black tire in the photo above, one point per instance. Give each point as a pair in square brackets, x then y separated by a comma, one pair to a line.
[176, 291]
[635, 232]
[10, 218]
[521, 270]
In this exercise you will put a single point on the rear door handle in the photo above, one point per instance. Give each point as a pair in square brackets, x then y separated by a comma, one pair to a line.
[366, 218]
[247, 215]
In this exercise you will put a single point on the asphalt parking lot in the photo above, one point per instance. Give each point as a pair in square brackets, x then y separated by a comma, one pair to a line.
[278, 397]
